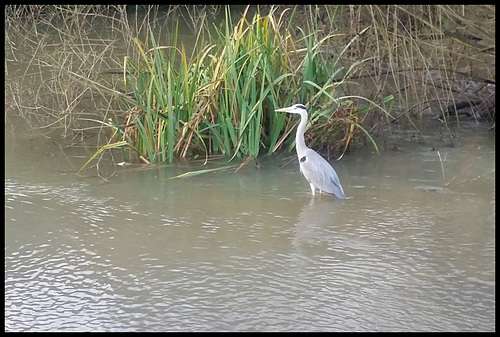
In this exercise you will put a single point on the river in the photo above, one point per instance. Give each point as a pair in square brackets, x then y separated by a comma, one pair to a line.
[408, 250]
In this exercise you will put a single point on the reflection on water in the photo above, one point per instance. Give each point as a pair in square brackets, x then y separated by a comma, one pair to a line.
[315, 220]
[251, 251]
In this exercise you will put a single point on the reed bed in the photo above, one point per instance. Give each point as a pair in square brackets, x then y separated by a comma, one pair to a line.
[221, 98]
[361, 71]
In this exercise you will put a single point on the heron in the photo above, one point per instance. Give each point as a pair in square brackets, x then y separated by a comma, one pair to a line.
[317, 171]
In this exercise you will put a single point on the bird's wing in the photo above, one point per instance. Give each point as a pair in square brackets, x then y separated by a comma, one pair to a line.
[319, 172]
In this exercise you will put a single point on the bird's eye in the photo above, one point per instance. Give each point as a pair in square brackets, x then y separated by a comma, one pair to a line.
[303, 159]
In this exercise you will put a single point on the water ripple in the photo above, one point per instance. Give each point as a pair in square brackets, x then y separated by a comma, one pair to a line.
[390, 269]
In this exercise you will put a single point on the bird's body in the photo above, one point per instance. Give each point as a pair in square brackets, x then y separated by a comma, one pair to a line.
[317, 171]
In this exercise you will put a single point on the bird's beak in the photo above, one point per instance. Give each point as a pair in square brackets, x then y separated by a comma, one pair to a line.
[282, 110]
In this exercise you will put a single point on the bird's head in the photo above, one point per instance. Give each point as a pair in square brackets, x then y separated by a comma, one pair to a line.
[294, 109]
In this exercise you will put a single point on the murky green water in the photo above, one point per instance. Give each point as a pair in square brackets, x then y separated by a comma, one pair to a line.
[252, 251]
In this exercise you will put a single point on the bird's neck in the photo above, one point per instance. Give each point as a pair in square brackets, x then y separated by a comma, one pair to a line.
[299, 136]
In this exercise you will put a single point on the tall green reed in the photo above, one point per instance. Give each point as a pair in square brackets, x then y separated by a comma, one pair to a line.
[221, 98]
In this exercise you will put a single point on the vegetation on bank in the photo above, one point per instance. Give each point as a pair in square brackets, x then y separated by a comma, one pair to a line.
[359, 69]
[221, 98]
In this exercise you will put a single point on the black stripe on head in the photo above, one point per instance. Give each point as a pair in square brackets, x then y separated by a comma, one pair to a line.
[300, 106]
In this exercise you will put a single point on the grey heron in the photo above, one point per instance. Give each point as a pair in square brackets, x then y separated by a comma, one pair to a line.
[317, 171]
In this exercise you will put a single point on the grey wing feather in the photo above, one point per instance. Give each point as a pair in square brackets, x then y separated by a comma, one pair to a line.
[320, 173]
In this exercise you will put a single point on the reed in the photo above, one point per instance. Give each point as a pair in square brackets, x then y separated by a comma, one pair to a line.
[221, 99]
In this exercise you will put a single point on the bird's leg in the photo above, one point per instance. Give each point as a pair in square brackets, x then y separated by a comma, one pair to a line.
[313, 189]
